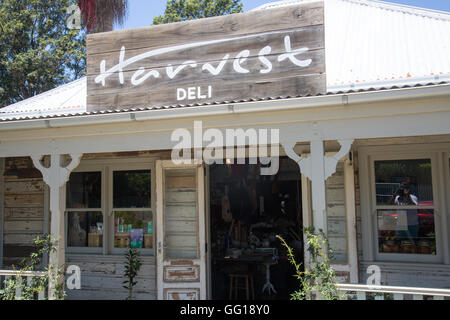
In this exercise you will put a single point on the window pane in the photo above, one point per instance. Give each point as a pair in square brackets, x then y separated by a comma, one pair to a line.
[180, 214]
[406, 231]
[133, 228]
[131, 189]
[84, 190]
[85, 229]
[403, 182]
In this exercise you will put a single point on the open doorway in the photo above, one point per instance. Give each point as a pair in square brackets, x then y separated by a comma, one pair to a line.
[247, 211]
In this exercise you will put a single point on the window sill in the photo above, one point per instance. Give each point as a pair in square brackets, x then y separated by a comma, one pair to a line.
[111, 258]
[405, 266]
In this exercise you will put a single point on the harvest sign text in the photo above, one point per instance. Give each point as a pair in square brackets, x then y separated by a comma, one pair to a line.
[166, 65]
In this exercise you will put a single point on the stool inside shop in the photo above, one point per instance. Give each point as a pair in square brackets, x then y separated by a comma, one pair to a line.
[247, 212]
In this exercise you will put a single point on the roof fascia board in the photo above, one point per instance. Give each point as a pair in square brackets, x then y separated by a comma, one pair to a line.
[235, 108]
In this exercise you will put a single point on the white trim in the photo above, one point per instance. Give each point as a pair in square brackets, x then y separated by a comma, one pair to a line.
[46, 221]
[395, 290]
[445, 185]
[332, 100]
[306, 214]
[350, 209]
[344, 122]
[2, 206]
[107, 167]
[137, 164]
[367, 156]
[161, 260]
[208, 232]
[83, 167]
[351, 265]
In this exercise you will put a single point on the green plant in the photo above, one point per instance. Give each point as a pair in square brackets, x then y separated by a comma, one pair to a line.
[30, 291]
[319, 278]
[132, 266]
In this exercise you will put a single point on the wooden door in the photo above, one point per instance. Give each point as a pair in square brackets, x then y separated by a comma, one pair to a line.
[180, 209]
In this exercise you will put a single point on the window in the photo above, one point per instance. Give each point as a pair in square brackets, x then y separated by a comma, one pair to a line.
[401, 199]
[84, 210]
[404, 206]
[109, 207]
[132, 212]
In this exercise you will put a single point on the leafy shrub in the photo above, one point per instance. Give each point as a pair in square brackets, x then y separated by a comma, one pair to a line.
[319, 279]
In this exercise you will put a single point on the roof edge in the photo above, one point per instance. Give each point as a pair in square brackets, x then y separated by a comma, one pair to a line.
[426, 12]
[339, 99]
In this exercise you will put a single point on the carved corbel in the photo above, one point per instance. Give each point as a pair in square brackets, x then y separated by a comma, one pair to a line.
[331, 162]
[303, 163]
[63, 171]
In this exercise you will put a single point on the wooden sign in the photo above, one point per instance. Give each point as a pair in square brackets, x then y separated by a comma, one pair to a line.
[260, 54]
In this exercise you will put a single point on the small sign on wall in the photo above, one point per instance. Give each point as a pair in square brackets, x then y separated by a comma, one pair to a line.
[260, 54]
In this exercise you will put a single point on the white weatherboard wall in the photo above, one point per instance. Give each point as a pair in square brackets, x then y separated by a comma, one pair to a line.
[336, 214]
[102, 278]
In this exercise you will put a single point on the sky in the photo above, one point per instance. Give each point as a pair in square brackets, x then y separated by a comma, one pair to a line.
[141, 12]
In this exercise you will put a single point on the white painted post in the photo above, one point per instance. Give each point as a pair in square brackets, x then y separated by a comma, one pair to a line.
[18, 287]
[57, 207]
[318, 192]
[56, 177]
[350, 206]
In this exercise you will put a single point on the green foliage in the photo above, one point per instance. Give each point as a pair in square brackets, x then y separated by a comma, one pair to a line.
[320, 278]
[132, 266]
[182, 10]
[43, 245]
[37, 50]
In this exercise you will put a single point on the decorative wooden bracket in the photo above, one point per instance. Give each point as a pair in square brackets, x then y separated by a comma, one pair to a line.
[330, 163]
[63, 172]
[303, 163]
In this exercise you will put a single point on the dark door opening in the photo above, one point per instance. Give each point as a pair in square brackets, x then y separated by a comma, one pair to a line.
[247, 211]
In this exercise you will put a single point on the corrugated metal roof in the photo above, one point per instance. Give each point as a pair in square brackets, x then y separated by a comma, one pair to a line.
[68, 99]
[372, 44]
[369, 45]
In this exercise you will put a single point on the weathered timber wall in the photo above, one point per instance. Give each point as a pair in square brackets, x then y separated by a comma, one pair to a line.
[102, 278]
[336, 211]
[23, 209]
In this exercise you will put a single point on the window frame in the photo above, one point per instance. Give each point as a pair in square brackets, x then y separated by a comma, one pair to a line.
[107, 167]
[367, 156]
[91, 250]
[129, 167]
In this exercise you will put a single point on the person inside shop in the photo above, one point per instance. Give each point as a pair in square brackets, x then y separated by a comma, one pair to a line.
[404, 197]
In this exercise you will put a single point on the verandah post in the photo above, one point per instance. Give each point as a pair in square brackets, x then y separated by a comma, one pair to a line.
[56, 176]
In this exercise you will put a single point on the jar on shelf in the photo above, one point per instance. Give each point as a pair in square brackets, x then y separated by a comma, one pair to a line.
[424, 247]
[390, 246]
[407, 246]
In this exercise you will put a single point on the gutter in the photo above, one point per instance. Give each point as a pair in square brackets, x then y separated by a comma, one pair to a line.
[333, 100]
